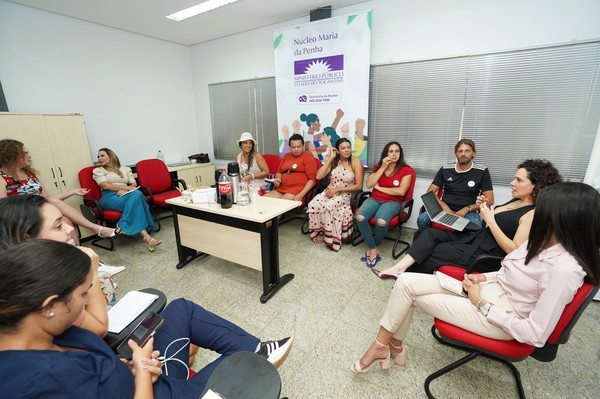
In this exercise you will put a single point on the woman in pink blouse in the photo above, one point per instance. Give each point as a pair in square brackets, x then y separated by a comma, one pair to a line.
[524, 299]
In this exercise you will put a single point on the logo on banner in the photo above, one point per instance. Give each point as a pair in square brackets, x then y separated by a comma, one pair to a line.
[319, 71]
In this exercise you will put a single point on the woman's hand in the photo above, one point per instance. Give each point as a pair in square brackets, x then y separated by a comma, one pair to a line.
[277, 182]
[152, 365]
[471, 285]
[331, 155]
[80, 191]
[482, 199]
[120, 193]
[247, 178]
[386, 162]
[487, 214]
[331, 192]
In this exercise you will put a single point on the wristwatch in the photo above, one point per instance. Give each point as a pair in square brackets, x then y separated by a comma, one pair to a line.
[485, 309]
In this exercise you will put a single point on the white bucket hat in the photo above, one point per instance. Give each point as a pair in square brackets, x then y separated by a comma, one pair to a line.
[246, 136]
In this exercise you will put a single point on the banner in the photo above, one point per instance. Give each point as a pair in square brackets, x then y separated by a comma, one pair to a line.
[322, 82]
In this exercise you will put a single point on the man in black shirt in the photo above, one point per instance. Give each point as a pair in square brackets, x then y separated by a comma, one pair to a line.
[461, 183]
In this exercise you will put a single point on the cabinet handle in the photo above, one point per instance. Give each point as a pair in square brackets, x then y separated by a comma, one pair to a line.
[64, 184]
[199, 179]
[60, 170]
[53, 174]
[56, 184]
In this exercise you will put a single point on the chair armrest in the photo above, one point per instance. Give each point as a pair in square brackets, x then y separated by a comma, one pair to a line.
[147, 194]
[179, 182]
[409, 203]
[485, 260]
[357, 199]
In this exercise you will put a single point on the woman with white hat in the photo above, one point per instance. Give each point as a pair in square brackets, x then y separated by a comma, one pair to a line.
[253, 166]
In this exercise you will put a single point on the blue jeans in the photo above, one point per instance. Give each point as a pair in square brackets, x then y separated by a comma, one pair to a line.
[384, 210]
[423, 221]
[185, 319]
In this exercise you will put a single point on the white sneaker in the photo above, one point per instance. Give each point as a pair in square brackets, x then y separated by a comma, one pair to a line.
[276, 351]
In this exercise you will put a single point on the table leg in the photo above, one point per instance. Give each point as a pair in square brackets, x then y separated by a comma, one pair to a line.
[272, 282]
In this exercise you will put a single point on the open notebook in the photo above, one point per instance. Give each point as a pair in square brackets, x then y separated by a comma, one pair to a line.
[127, 309]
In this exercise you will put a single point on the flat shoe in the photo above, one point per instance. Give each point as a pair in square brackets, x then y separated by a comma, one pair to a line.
[384, 276]
[112, 232]
[372, 262]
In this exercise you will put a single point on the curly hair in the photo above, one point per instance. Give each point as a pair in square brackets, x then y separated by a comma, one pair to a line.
[10, 153]
[541, 173]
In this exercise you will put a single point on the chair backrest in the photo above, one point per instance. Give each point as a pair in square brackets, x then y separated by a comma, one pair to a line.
[411, 189]
[273, 161]
[153, 173]
[86, 180]
[571, 314]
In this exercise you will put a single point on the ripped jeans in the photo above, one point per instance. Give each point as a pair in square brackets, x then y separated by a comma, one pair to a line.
[382, 210]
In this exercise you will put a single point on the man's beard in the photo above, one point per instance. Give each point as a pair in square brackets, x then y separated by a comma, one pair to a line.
[464, 160]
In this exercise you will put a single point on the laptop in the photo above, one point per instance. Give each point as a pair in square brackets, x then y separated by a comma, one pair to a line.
[438, 215]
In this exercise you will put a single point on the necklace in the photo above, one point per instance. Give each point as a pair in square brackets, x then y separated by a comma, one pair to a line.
[515, 205]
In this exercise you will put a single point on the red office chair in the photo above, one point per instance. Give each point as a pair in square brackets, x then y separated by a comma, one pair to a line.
[91, 208]
[157, 184]
[507, 352]
[397, 221]
[273, 161]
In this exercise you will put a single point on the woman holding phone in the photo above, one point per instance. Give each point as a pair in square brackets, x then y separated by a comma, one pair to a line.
[44, 288]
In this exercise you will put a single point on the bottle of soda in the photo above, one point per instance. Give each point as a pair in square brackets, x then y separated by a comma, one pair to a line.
[225, 190]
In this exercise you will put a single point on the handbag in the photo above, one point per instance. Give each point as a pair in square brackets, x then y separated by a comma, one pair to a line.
[200, 158]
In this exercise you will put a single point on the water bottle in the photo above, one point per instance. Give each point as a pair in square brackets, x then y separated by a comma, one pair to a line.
[160, 156]
[225, 190]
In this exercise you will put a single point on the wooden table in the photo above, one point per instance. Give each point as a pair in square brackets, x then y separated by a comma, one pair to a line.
[245, 235]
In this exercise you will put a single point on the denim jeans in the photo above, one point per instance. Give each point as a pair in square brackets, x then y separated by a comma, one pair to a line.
[384, 210]
[423, 221]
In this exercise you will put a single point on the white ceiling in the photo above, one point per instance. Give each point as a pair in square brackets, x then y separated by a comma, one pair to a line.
[147, 17]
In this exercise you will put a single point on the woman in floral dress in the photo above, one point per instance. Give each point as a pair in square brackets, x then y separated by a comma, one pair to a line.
[329, 213]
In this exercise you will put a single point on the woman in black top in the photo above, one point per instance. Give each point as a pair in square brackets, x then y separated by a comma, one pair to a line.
[507, 227]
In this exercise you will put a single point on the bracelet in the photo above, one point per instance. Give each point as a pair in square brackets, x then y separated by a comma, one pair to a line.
[252, 176]
[480, 299]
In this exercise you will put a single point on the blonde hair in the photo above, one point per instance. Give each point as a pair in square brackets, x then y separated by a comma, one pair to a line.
[114, 161]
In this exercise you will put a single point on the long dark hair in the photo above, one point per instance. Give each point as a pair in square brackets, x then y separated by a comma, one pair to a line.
[250, 155]
[400, 163]
[20, 219]
[338, 158]
[34, 270]
[571, 212]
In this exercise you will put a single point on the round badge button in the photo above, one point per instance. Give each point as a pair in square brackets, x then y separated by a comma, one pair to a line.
[396, 183]
[471, 183]
[294, 166]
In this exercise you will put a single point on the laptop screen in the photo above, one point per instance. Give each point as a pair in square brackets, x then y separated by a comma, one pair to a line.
[432, 206]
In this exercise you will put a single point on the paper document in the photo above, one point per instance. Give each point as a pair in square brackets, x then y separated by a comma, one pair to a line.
[450, 283]
[112, 270]
[127, 309]
[137, 188]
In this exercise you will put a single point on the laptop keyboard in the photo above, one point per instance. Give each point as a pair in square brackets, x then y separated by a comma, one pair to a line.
[448, 218]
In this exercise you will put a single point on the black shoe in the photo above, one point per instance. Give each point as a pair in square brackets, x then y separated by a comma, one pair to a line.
[276, 351]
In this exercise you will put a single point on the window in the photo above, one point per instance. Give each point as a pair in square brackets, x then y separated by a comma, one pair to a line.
[243, 106]
[536, 103]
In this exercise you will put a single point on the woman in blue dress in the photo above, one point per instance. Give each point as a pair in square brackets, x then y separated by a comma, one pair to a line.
[119, 193]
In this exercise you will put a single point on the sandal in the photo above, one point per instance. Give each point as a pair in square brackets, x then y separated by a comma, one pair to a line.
[113, 232]
[384, 276]
[372, 262]
[365, 258]
[399, 353]
[384, 362]
[151, 243]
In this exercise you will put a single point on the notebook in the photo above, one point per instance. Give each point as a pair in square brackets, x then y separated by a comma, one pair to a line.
[450, 283]
[438, 215]
[127, 309]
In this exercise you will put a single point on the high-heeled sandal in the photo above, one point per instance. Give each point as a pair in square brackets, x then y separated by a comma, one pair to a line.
[365, 258]
[151, 243]
[385, 276]
[384, 362]
[399, 353]
[112, 234]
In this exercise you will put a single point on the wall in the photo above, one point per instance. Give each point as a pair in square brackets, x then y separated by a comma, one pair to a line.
[405, 30]
[135, 92]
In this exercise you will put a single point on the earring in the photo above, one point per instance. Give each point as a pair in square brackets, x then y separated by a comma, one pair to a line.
[51, 314]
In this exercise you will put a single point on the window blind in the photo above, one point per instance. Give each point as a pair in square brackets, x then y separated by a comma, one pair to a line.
[243, 106]
[515, 105]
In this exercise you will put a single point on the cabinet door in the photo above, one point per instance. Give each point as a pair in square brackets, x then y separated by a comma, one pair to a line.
[197, 175]
[31, 131]
[70, 150]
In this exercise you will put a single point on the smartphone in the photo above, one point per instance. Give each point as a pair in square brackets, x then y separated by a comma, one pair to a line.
[141, 334]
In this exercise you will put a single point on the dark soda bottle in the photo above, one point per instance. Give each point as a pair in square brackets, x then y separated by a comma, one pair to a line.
[225, 190]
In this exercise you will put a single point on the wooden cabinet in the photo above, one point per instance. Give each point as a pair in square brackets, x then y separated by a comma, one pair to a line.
[196, 174]
[58, 145]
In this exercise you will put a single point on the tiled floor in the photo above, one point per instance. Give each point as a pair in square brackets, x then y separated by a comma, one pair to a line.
[333, 307]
